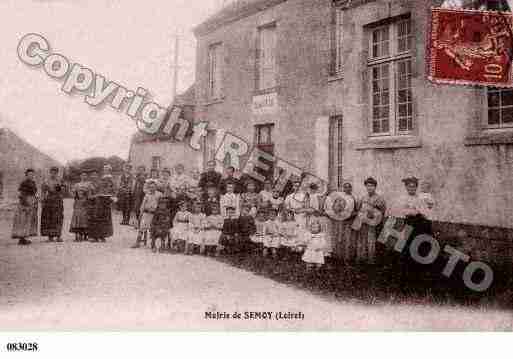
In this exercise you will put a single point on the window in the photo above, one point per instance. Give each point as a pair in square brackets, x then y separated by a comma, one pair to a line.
[1, 184]
[155, 162]
[263, 134]
[335, 151]
[266, 57]
[390, 68]
[215, 68]
[500, 107]
[336, 42]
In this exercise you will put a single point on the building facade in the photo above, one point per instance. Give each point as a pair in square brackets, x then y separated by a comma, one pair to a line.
[339, 89]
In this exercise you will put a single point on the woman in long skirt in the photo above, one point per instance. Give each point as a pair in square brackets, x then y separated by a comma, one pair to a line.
[52, 214]
[80, 218]
[100, 225]
[25, 217]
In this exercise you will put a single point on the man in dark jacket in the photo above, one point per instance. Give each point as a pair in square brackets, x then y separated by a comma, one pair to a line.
[210, 176]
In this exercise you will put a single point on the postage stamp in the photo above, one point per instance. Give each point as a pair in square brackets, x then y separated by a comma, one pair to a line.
[470, 47]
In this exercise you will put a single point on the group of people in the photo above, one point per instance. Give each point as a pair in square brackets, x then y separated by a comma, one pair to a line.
[92, 216]
[212, 214]
[52, 213]
[209, 213]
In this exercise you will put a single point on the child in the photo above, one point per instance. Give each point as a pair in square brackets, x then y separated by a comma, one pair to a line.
[211, 198]
[258, 237]
[195, 229]
[272, 234]
[250, 198]
[213, 226]
[290, 231]
[266, 194]
[427, 202]
[161, 224]
[178, 233]
[276, 201]
[230, 199]
[316, 245]
[148, 207]
[230, 231]
[246, 228]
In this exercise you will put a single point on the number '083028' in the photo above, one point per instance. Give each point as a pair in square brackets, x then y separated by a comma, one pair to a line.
[22, 347]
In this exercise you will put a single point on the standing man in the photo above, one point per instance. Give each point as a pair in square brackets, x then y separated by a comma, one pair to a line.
[138, 190]
[126, 183]
[210, 176]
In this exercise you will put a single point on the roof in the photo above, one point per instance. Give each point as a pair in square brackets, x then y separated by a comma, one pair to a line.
[233, 12]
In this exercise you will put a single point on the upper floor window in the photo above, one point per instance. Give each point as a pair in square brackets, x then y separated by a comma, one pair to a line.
[266, 57]
[499, 107]
[264, 134]
[336, 42]
[215, 69]
[390, 68]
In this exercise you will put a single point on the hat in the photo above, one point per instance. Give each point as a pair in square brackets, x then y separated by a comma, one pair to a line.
[411, 180]
[370, 180]
[54, 169]
[230, 208]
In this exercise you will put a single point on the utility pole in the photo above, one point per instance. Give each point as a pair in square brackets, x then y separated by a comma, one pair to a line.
[175, 66]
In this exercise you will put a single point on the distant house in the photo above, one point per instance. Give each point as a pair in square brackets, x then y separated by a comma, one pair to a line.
[16, 155]
[160, 151]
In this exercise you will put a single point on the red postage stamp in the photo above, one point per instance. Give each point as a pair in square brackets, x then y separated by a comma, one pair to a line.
[469, 47]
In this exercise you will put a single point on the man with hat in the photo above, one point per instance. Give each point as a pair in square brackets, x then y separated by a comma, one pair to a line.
[126, 183]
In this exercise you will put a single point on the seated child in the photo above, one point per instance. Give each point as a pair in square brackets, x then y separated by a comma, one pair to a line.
[195, 229]
[178, 234]
[213, 226]
[260, 220]
[250, 198]
[148, 207]
[316, 246]
[272, 236]
[230, 232]
[161, 224]
[290, 231]
[246, 228]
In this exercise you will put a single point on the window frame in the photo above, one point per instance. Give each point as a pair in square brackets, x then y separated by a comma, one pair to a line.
[335, 150]
[486, 122]
[159, 162]
[393, 61]
[337, 42]
[216, 73]
[259, 70]
[258, 133]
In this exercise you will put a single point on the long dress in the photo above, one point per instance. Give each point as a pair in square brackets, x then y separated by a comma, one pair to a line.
[367, 235]
[138, 193]
[25, 217]
[126, 182]
[316, 248]
[52, 214]
[100, 224]
[80, 217]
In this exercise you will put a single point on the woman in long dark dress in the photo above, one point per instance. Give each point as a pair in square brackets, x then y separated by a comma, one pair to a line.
[100, 225]
[80, 218]
[25, 217]
[52, 214]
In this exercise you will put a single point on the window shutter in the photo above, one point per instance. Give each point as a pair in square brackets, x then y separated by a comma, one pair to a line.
[417, 65]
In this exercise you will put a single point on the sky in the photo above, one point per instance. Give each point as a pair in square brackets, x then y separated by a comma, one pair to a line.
[129, 42]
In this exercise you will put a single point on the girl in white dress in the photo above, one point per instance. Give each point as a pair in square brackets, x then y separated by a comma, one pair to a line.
[178, 234]
[213, 226]
[195, 232]
[290, 232]
[148, 207]
[316, 246]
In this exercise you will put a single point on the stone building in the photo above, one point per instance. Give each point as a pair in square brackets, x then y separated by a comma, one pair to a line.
[158, 151]
[339, 89]
[16, 155]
